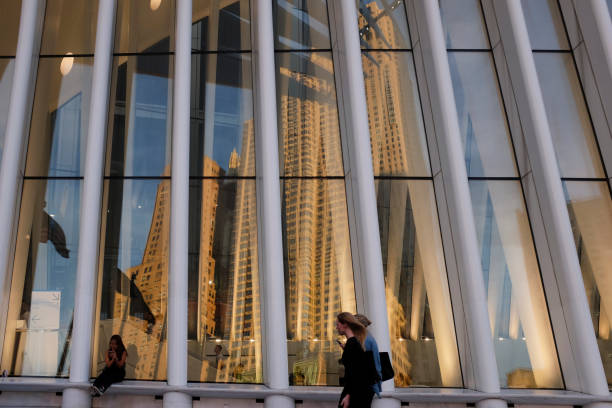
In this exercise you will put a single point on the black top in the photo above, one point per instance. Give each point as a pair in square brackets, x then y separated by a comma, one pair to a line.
[355, 368]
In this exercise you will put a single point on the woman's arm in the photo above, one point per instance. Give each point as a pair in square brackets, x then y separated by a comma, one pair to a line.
[121, 363]
[107, 359]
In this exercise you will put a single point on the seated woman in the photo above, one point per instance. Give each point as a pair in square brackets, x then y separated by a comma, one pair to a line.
[115, 366]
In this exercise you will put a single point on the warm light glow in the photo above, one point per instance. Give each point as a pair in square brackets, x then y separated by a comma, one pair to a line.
[66, 64]
[218, 340]
[155, 4]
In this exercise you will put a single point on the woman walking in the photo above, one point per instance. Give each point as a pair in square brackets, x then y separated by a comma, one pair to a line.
[357, 392]
[114, 371]
[371, 345]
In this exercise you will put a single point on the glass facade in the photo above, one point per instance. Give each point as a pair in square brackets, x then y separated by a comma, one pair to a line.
[583, 173]
[319, 153]
[518, 315]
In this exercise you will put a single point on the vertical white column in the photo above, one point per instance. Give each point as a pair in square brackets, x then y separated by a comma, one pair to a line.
[268, 207]
[16, 136]
[179, 216]
[596, 27]
[459, 201]
[91, 201]
[547, 180]
[359, 169]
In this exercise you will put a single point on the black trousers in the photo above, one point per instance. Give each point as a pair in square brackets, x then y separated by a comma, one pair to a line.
[361, 400]
[109, 375]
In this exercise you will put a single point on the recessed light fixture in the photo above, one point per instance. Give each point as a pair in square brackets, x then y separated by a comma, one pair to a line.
[66, 64]
[155, 4]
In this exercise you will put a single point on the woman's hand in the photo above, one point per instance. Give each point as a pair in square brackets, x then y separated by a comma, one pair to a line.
[345, 401]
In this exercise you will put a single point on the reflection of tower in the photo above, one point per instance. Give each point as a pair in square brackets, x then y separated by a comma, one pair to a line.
[151, 279]
[319, 281]
[244, 362]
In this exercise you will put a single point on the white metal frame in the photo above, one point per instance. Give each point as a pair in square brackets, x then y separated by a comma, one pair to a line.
[15, 138]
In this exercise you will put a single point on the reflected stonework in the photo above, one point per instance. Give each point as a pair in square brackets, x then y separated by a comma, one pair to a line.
[318, 276]
[134, 275]
[421, 324]
[308, 129]
[383, 25]
[224, 306]
[590, 208]
[39, 320]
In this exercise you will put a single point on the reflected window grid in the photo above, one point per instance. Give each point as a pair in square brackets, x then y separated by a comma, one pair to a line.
[318, 266]
[523, 339]
[224, 327]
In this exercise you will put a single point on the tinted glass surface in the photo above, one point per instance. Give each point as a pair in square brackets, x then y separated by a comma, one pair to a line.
[318, 276]
[301, 25]
[382, 24]
[422, 329]
[41, 303]
[133, 279]
[70, 27]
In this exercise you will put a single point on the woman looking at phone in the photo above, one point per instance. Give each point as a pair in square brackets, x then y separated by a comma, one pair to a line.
[114, 370]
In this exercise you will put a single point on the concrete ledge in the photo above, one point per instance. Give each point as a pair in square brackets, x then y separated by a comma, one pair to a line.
[255, 391]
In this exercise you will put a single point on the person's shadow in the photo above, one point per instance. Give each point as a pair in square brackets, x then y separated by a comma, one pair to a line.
[132, 361]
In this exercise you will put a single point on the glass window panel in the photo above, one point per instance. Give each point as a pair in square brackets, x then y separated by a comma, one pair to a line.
[58, 131]
[382, 24]
[463, 24]
[133, 278]
[308, 129]
[482, 120]
[39, 324]
[301, 24]
[610, 7]
[522, 334]
[224, 310]
[397, 133]
[545, 25]
[568, 117]
[7, 68]
[70, 27]
[144, 26]
[140, 125]
[9, 26]
[422, 330]
[221, 28]
[222, 115]
[590, 210]
[318, 276]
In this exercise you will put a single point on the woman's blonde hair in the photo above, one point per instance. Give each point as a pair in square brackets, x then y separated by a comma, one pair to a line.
[356, 327]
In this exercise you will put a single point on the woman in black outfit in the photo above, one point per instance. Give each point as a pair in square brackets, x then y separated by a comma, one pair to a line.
[115, 366]
[357, 392]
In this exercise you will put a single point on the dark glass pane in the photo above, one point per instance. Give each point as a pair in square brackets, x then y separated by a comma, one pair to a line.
[7, 68]
[568, 116]
[545, 25]
[397, 134]
[144, 26]
[421, 325]
[9, 26]
[140, 125]
[590, 209]
[518, 314]
[222, 131]
[70, 27]
[382, 24]
[133, 279]
[221, 26]
[318, 276]
[39, 324]
[463, 24]
[224, 309]
[308, 130]
[484, 130]
[301, 25]
[60, 117]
